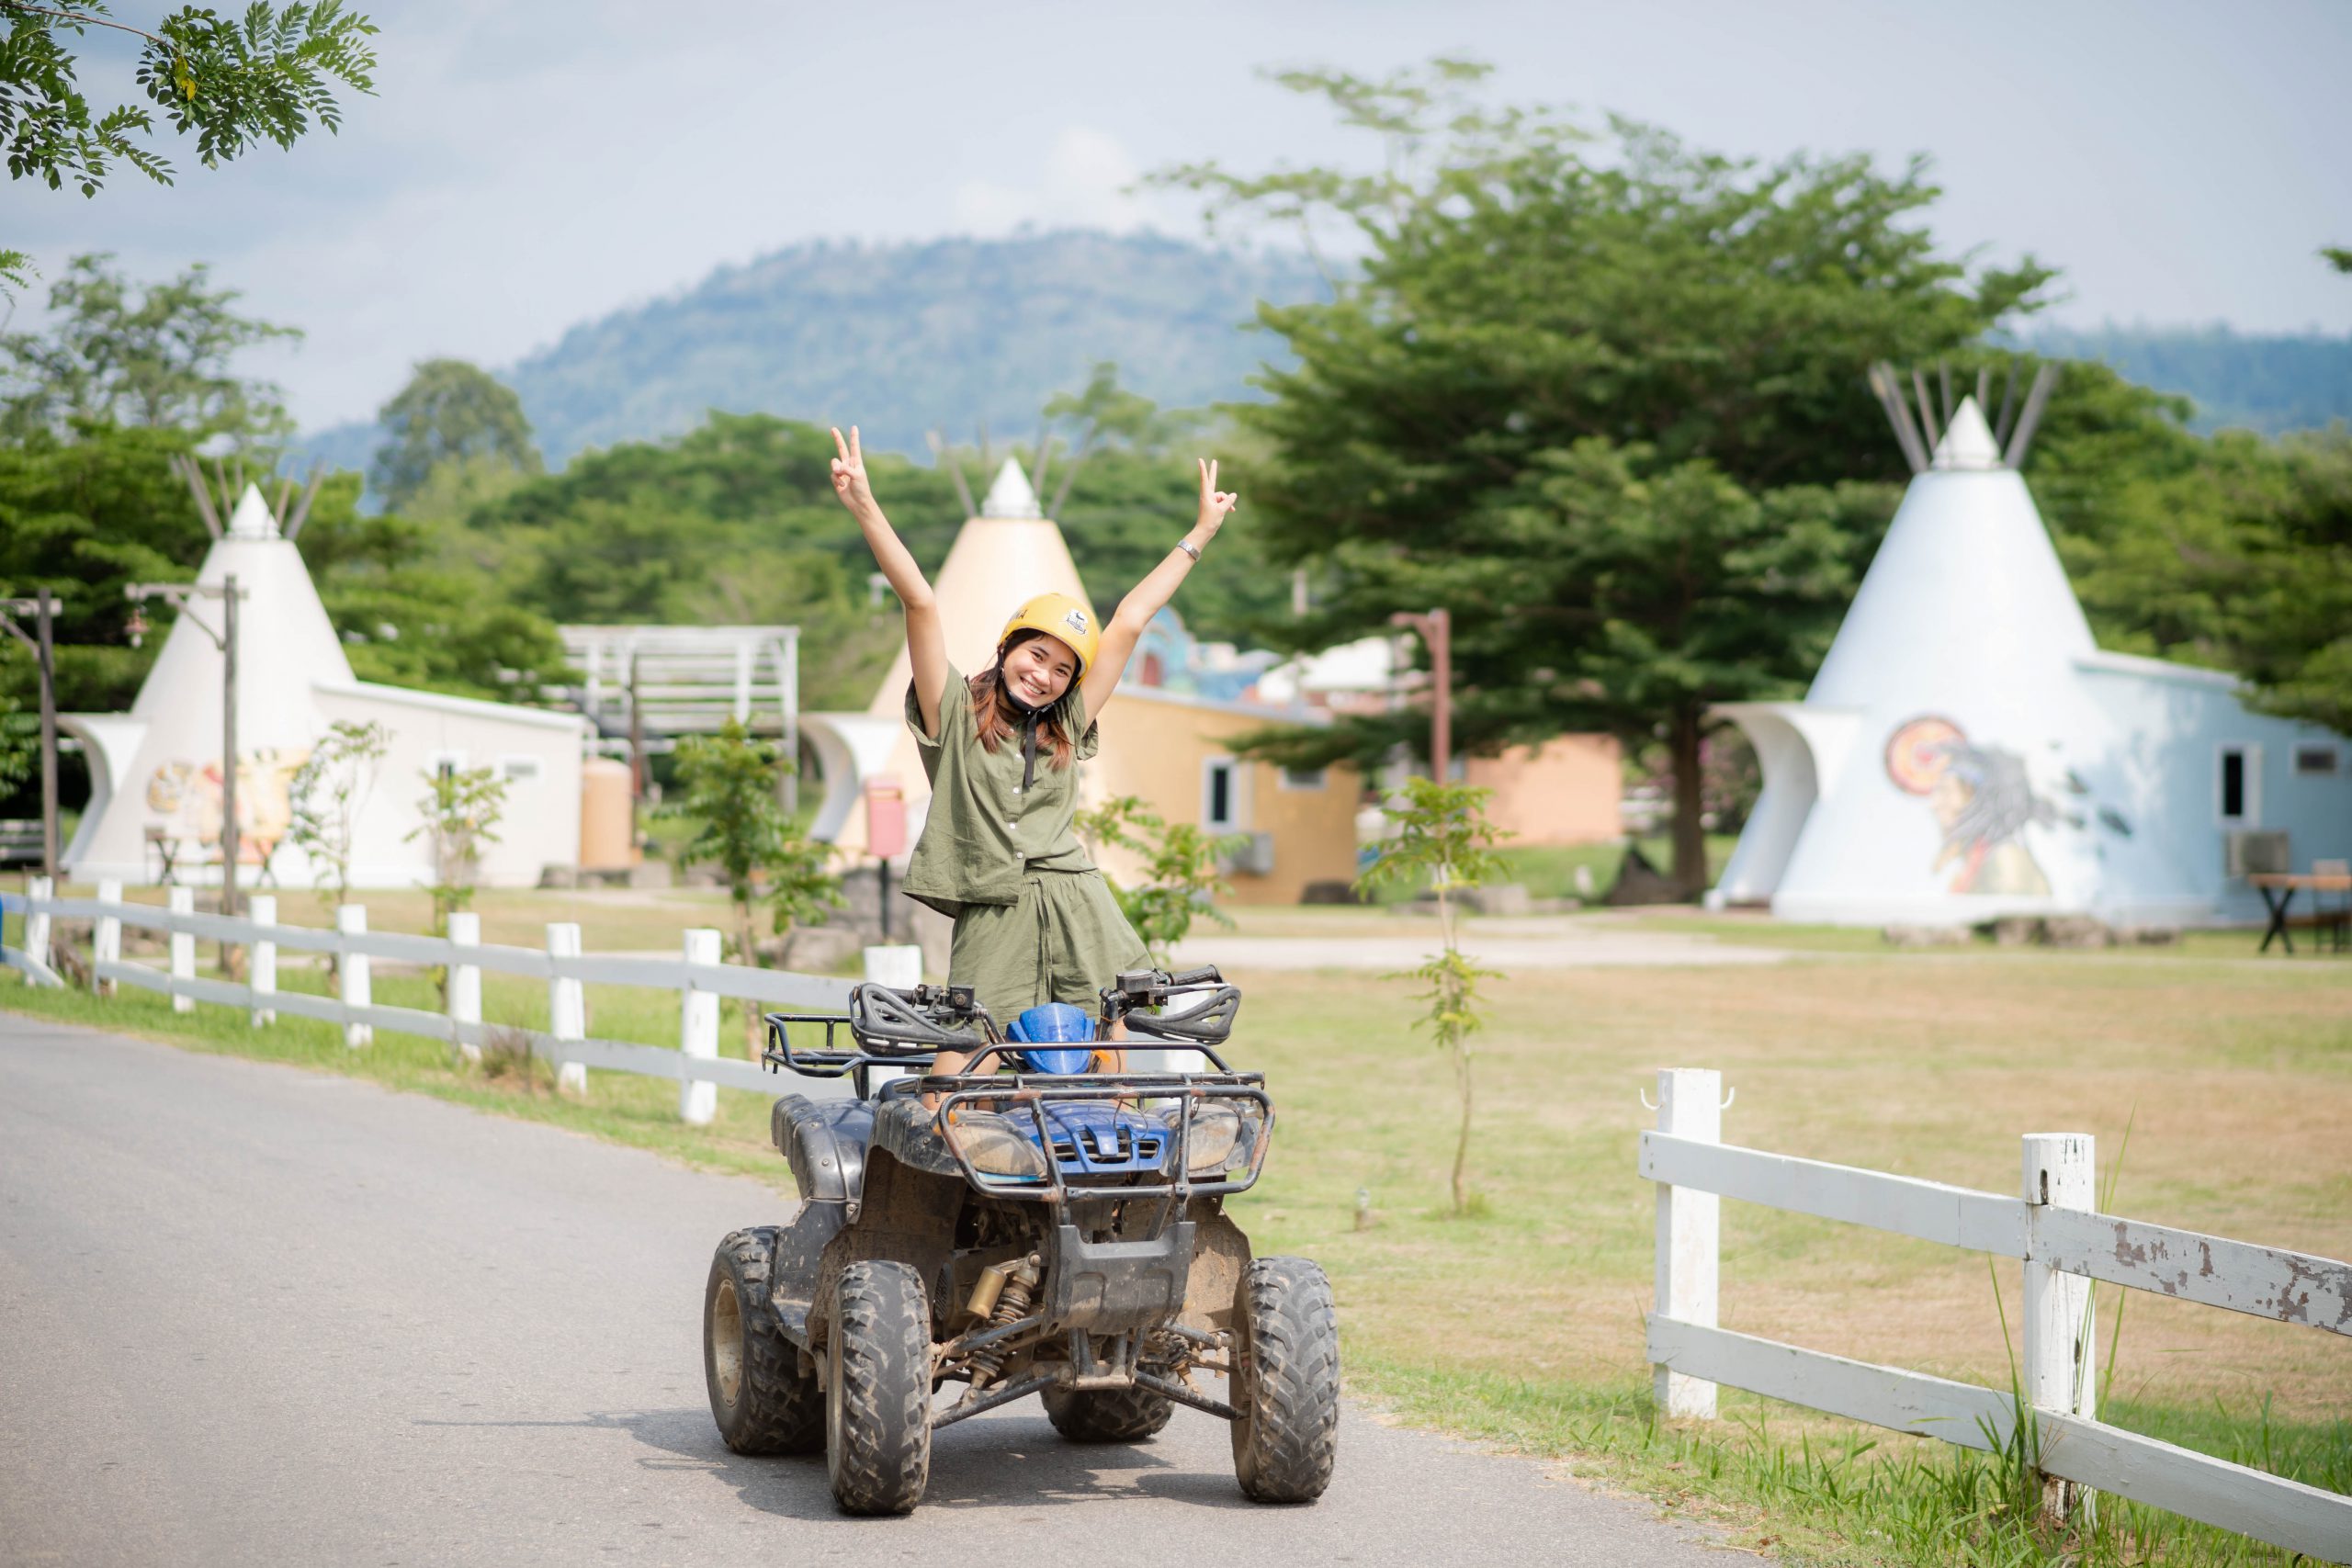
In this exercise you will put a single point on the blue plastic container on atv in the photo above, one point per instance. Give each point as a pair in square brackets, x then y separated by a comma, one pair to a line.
[1049, 1219]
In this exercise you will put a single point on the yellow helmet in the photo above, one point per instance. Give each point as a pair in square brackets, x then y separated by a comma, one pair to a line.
[1061, 618]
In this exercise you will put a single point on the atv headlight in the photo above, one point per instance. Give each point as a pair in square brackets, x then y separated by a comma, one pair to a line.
[994, 1146]
[1216, 1131]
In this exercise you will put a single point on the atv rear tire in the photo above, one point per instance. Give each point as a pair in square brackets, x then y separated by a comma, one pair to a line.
[762, 1400]
[1285, 1382]
[877, 1389]
[1107, 1416]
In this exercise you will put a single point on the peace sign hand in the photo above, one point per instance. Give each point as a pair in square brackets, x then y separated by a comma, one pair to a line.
[849, 472]
[1215, 502]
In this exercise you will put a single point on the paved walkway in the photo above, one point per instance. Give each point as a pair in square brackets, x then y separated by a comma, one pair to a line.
[250, 1313]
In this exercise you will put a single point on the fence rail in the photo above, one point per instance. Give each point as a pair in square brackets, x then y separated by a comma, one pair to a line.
[2063, 1243]
[697, 974]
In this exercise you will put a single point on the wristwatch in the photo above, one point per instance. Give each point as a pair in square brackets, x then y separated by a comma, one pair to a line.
[1188, 548]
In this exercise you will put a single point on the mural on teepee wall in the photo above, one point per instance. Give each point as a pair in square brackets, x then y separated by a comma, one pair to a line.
[1983, 802]
[186, 798]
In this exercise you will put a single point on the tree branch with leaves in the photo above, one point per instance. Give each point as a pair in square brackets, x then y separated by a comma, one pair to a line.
[267, 74]
[1180, 878]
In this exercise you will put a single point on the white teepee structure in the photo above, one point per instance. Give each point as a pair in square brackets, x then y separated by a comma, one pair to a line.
[1966, 752]
[156, 771]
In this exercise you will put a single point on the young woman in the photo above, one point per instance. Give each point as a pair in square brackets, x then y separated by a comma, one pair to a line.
[1035, 922]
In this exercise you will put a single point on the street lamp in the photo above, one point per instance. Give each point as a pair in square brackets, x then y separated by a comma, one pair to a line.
[41, 608]
[178, 595]
[1436, 630]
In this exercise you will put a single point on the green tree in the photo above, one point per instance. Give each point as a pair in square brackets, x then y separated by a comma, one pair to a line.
[1440, 838]
[731, 782]
[450, 411]
[461, 808]
[1180, 880]
[267, 74]
[150, 357]
[1603, 395]
[326, 794]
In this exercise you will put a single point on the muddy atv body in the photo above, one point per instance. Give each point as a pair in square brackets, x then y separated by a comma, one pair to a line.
[1026, 1226]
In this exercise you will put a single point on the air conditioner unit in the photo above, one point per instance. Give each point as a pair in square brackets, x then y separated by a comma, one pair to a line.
[2251, 852]
[1256, 856]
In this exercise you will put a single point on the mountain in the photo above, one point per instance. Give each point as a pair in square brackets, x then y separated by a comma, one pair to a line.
[2272, 384]
[904, 338]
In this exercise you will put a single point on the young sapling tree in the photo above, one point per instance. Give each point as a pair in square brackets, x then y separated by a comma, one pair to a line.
[1180, 881]
[327, 794]
[1441, 835]
[461, 808]
[731, 782]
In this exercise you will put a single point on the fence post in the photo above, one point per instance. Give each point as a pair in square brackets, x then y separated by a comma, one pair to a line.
[38, 890]
[2059, 1346]
[567, 1006]
[465, 988]
[182, 901]
[698, 1030]
[351, 968]
[1690, 1105]
[261, 908]
[106, 938]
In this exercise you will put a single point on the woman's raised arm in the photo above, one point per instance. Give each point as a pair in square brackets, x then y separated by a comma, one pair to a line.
[926, 642]
[1150, 596]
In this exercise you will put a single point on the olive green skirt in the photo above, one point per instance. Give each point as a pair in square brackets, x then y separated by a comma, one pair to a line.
[1062, 942]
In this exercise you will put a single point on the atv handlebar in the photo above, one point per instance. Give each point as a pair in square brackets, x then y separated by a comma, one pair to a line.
[910, 1027]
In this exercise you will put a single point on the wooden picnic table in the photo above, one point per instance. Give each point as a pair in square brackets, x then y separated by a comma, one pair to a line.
[2279, 888]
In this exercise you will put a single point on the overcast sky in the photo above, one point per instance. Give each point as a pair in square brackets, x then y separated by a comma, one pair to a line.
[531, 164]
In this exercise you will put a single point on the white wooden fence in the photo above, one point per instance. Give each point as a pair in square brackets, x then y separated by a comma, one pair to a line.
[2065, 1244]
[696, 975]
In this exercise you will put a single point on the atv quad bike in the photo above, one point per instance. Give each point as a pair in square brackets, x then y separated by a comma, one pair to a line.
[1026, 1226]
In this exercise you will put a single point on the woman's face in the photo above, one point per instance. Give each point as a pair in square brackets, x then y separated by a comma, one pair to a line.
[1038, 670]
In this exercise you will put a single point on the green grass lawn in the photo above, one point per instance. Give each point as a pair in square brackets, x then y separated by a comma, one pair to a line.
[1551, 872]
[1522, 1323]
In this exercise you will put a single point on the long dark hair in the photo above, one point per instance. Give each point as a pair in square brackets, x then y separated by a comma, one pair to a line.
[999, 719]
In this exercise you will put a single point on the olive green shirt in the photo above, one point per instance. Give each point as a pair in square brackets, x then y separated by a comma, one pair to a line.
[983, 835]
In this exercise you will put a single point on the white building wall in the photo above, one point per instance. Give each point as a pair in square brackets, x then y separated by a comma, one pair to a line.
[538, 753]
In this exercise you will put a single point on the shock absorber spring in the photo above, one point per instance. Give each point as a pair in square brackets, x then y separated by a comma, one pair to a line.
[1014, 1285]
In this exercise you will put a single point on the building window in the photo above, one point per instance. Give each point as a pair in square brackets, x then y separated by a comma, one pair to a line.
[2318, 761]
[1220, 791]
[1305, 778]
[2238, 787]
[519, 770]
[446, 764]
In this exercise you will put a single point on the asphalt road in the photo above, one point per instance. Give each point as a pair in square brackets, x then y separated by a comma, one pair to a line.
[250, 1313]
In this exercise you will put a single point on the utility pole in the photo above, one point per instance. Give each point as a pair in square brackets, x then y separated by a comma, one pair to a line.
[180, 595]
[1436, 630]
[41, 607]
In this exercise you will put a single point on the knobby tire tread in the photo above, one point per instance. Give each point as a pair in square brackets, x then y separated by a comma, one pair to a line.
[879, 1457]
[1107, 1416]
[784, 1410]
[1288, 1439]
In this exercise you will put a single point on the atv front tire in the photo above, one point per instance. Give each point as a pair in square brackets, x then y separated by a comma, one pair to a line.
[1285, 1382]
[762, 1400]
[1107, 1416]
[877, 1389]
